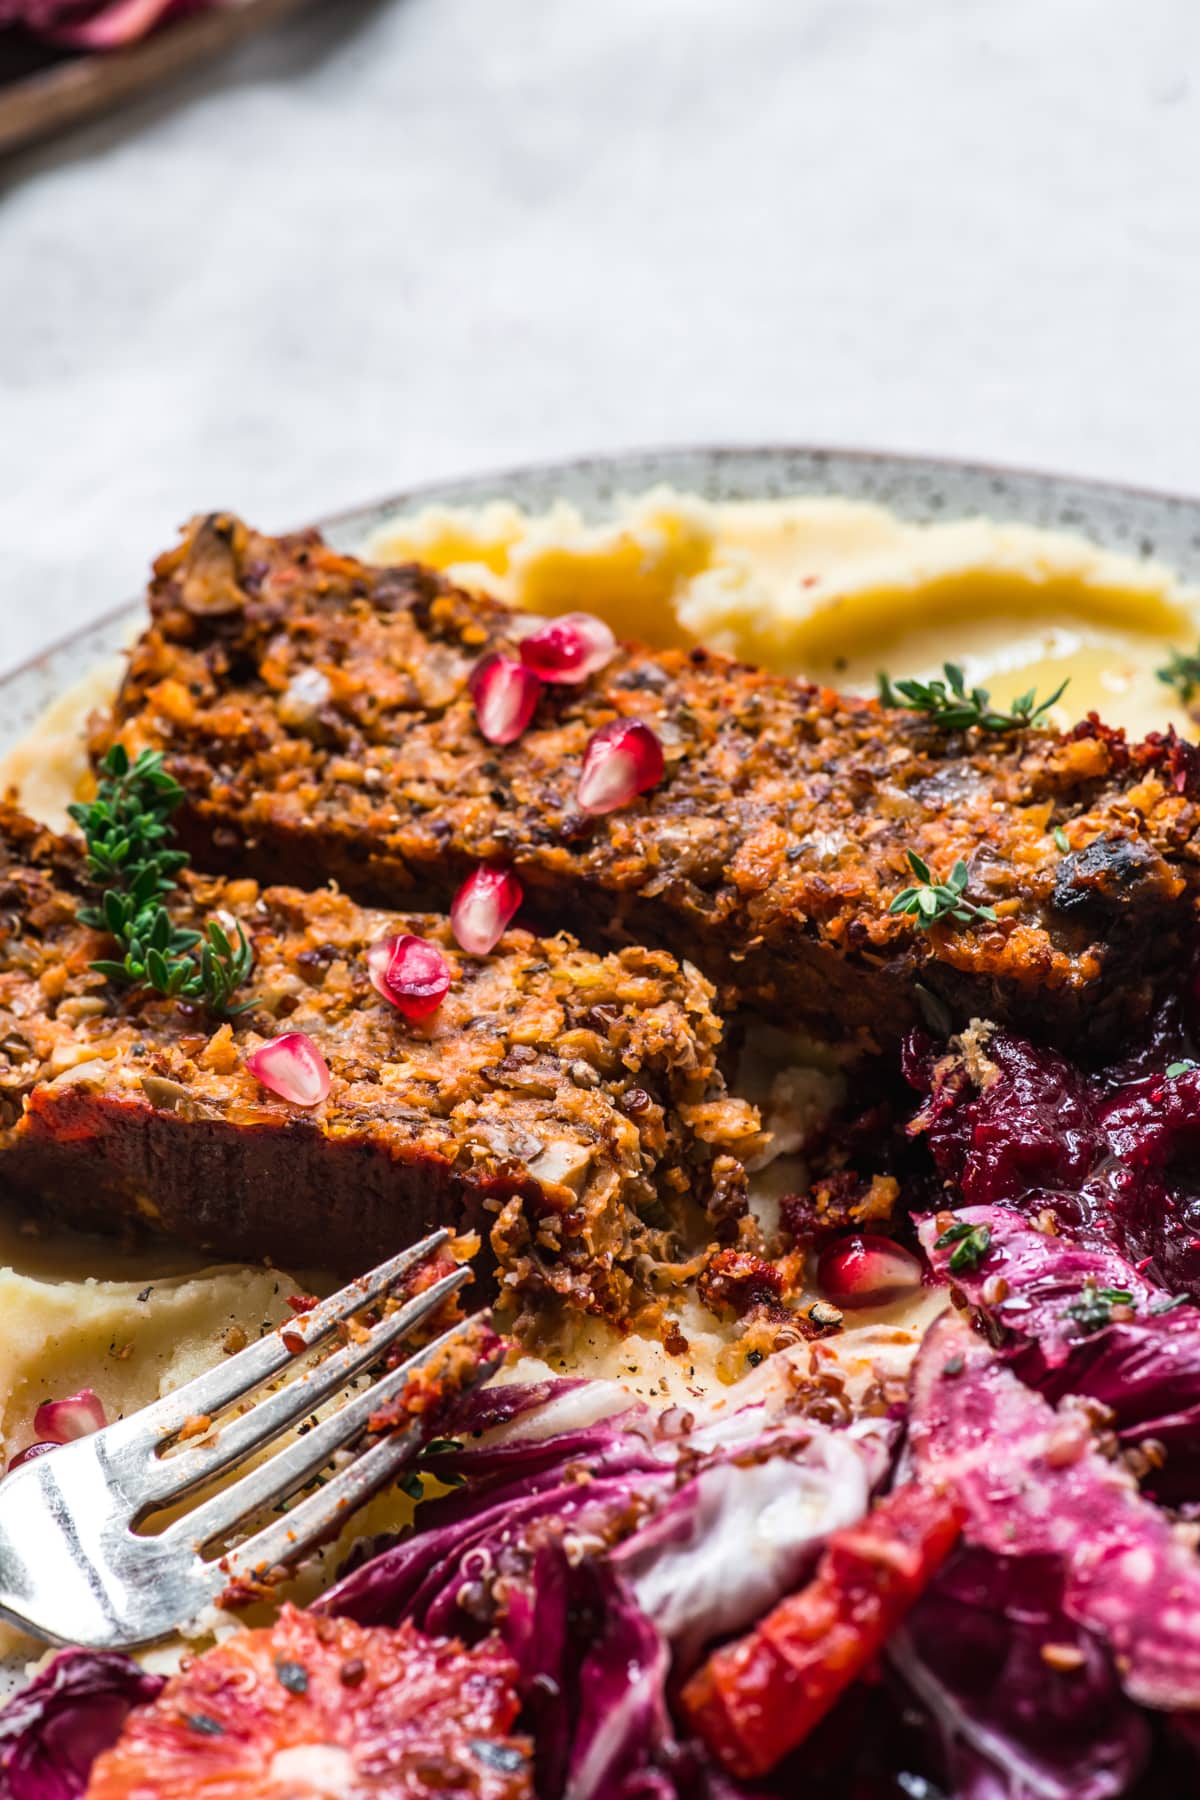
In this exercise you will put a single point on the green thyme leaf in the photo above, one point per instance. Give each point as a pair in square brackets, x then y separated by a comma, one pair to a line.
[970, 1252]
[971, 1243]
[1062, 840]
[938, 902]
[1179, 1068]
[1182, 672]
[1094, 1308]
[955, 707]
[127, 831]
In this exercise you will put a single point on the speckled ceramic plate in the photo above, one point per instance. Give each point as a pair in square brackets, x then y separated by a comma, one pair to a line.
[920, 489]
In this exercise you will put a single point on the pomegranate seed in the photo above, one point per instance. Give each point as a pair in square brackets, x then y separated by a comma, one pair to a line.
[61, 1421]
[410, 973]
[568, 649]
[377, 959]
[621, 760]
[867, 1271]
[27, 1455]
[292, 1067]
[482, 908]
[505, 693]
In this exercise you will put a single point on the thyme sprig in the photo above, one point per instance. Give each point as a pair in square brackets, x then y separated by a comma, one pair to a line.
[128, 833]
[971, 1244]
[1094, 1308]
[1182, 672]
[955, 707]
[932, 902]
[412, 1484]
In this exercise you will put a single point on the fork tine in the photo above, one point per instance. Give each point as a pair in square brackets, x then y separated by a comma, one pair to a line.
[283, 1473]
[321, 1515]
[170, 1478]
[214, 1389]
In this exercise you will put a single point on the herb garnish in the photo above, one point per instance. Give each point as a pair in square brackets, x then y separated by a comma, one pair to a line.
[410, 1482]
[970, 1242]
[1062, 841]
[1093, 1309]
[1180, 1068]
[935, 902]
[951, 704]
[1182, 672]
[128, 833]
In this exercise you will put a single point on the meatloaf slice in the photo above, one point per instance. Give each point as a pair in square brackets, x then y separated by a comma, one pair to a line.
[317, 712]
[566, 1105]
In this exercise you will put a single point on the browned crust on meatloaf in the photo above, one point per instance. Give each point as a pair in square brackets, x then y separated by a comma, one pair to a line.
[566, 1105]
[768, 854]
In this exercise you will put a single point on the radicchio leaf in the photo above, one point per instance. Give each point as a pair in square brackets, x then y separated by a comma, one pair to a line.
[1144, 1369]
[673, 1500]
[1026, 1703]
[622, 1703]
[52, 1732]
[761, 1521]
[1031, 1282]
[1033, 1484]
[759, 1491]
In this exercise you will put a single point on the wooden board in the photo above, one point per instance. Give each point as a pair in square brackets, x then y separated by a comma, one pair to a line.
[43, 91]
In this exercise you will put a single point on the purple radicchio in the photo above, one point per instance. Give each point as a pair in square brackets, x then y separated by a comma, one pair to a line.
[1025, 1702]
[1034, 1485]
[53, 1730]
[598, 1539]
[1075, 1321]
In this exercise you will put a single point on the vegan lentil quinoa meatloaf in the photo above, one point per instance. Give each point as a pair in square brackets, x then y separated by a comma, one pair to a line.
[317, 712]
[566, 1104]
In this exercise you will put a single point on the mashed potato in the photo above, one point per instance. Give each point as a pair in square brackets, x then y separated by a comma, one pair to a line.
[823, 587]
[835, 590]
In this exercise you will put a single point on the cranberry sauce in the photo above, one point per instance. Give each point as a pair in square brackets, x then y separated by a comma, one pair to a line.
[1113, 1154]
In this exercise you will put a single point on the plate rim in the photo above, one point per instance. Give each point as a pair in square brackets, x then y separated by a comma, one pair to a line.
[772, 448]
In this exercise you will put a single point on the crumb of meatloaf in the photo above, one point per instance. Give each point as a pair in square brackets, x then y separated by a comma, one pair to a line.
[565, 1105]
[316, 710]
[434, 1387]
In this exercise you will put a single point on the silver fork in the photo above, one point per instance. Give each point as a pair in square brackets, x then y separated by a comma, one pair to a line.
[73, 1569]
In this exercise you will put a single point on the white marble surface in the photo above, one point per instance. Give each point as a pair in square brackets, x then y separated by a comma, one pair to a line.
[414, 238]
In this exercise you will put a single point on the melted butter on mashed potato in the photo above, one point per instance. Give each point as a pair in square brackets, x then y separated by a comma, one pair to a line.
[835, 590]
[827, 588]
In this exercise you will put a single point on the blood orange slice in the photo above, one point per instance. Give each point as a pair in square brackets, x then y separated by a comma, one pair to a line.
[323, 1709]
[759, 1696]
